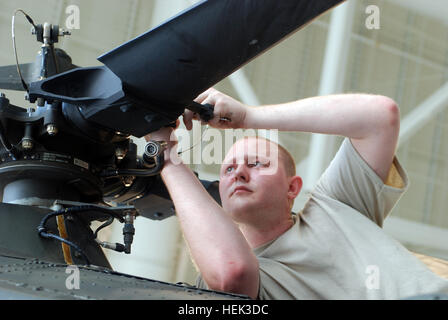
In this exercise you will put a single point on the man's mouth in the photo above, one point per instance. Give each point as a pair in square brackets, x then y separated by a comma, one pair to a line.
[240, 190]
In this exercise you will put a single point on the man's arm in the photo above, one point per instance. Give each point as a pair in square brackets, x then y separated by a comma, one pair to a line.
[218, 247]
[370, 121]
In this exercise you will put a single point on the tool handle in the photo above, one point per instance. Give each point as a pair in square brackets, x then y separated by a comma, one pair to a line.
[205, 111]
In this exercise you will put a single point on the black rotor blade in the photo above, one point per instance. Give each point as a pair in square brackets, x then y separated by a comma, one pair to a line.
[204, 44]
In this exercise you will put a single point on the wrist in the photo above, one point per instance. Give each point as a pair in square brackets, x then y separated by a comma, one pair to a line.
[249, 118]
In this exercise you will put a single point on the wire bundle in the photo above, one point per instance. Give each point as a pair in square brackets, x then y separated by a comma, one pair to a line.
[42, 230]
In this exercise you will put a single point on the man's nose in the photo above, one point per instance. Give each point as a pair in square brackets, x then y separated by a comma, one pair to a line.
[241, 173]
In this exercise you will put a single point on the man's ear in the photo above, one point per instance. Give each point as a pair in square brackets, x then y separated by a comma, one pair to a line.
[295, 185]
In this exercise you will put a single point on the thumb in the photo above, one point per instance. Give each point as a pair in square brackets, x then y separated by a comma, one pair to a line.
[188, 119]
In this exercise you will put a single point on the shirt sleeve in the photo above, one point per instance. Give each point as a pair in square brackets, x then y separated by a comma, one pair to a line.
[350, 180]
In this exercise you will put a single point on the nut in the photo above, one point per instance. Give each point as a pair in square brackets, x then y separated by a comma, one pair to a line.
[27, 144]
[52, 129]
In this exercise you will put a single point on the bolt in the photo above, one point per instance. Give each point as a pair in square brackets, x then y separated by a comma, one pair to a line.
[120, 153]
[150, 118]
[27, 144]
[40, 102]
[158, 215]
[128, 180]
[63, 32]
[129, 218]
[125, 108]
[52, 129]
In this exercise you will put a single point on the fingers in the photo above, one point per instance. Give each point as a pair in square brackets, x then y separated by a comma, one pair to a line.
[222, 118]
[204, 95]
[177, 124]
[188, 119]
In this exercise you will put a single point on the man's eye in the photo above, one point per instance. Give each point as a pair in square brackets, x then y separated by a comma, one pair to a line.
[258, 164]
[254, 164]
[229, 169]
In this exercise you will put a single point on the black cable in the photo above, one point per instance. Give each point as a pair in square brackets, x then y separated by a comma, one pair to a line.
[79, 209]
[135, 172]
[104, 225]
[130, 172]
[8, 146]
[42, 230]
[71, 244]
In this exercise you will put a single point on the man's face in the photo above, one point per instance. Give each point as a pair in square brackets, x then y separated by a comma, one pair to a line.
[252, 178]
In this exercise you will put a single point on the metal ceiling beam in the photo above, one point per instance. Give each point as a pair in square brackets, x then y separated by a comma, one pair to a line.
[332, 81]
[423, 113]
[244, 88]
[372, 43]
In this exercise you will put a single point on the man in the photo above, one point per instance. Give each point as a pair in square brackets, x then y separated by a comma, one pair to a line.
[335, 248]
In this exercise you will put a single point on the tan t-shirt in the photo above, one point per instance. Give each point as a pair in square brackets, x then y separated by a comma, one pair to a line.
[334, 251]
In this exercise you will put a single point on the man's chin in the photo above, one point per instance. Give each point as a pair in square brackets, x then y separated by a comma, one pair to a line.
[240, 212]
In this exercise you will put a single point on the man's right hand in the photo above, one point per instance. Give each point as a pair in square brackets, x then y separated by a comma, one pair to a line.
[228, 112]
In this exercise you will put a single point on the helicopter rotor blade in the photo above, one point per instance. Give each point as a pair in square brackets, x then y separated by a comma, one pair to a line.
[204, 44]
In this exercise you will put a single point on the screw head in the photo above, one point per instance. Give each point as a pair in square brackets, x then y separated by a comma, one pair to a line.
[52, 129]
[120, 153]
[128, 180]
[27, 144]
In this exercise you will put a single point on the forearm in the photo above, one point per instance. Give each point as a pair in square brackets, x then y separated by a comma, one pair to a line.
[352, 115]
[216, 244]
[371, 122]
